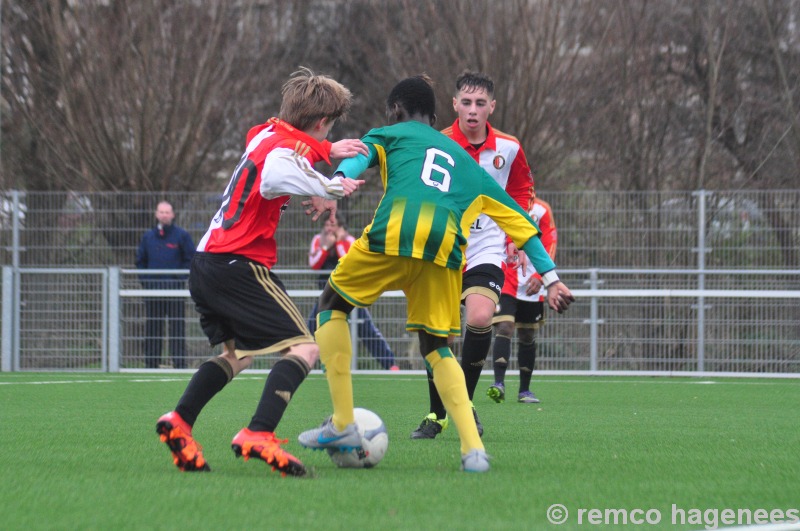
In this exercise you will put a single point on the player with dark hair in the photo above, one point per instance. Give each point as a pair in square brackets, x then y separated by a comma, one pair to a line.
[433, 190]
[502, 157]
[522, 308]
[242, 304]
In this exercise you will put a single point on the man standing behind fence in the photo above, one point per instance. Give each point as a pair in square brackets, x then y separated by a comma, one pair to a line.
[165, 246]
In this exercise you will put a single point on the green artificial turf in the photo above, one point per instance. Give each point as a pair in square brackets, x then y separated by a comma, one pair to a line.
[79, 451]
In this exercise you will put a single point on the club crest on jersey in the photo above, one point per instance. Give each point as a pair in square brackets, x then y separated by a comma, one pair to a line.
[498, 162]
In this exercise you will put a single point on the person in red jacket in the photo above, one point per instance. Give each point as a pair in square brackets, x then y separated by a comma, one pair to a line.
[522, 307]
[242, 304]
[327, 247]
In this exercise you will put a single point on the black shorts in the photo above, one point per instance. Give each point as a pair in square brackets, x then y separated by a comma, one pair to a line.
[525, 314]
[486, 279]
[244, 301]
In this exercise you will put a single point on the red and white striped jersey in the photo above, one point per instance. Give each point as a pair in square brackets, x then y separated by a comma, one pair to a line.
[515, 283]
[277, 163]
[503, 158]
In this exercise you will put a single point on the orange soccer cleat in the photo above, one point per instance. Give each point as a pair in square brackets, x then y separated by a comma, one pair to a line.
[186, 453]
[265, 446]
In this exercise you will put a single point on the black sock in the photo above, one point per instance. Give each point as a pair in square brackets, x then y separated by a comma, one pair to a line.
[527, 358]
[211, 377]
[436, 400]
[477, 342]
[285, 377]
[500, 355]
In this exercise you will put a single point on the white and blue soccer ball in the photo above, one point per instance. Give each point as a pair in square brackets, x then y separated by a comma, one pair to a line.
[374, 441]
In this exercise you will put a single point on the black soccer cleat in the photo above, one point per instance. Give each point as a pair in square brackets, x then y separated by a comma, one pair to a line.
[430, 427]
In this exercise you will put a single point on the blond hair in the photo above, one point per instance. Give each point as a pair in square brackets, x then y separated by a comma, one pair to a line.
[308, 97]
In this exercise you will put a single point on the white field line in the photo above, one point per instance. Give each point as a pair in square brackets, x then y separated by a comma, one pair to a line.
[415, 375]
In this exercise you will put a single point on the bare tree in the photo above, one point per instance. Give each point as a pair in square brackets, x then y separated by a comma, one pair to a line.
[756, 76]
[608, 94]
[134, 95]
[529, 48]
[716, 41]
[629, 107]
[753, 138]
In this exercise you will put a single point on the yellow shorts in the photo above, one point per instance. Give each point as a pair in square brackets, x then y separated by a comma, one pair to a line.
[432, 292]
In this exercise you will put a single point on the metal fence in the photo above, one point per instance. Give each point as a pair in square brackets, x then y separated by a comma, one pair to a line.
[667, 282]
[624, 320]
[641, 230]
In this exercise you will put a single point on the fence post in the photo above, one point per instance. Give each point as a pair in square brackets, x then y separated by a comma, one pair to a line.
[113, 319]
[8, 312]
[15, 283]
[15, 213]
[701, 279]
[16, 333]
[594, 321]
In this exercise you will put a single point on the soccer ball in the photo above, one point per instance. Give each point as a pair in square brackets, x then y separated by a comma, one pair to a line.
[374, 441]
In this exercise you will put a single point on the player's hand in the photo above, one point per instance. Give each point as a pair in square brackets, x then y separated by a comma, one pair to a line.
[523, 262]
[534, 285]
[316, 206]
[349, 147]
[515, 259]
[559, 296]
[351, 185]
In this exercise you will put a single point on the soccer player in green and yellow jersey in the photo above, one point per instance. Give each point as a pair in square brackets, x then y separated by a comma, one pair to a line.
[433, 191]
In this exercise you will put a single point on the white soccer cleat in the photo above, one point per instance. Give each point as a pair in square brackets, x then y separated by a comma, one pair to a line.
[328, 437]
[475, 461]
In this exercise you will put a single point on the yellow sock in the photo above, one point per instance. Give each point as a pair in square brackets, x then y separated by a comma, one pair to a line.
[449, 380]
[336, 351]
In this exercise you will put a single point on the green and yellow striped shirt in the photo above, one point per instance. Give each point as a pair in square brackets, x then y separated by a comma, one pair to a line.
[433, 191]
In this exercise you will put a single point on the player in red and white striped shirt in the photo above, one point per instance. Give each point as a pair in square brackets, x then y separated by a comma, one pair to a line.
[522, 307]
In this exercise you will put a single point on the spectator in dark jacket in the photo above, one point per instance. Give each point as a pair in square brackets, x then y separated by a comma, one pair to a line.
[165, 246]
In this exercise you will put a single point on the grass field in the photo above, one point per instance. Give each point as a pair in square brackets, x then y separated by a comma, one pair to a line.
[79, 451]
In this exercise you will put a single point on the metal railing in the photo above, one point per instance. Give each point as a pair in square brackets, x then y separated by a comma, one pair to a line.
[654, 321]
